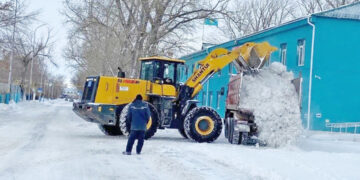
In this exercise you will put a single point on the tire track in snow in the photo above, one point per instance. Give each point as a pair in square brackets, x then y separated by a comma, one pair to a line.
[34, 135]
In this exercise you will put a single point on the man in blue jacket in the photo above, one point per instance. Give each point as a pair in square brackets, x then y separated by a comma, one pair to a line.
[139, 115]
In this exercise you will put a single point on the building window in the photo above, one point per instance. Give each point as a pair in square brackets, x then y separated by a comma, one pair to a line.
[204, 98]
[231, 68]
[192, 70]
[283, 53]
[218, 100]
[301, 52]
[267, 63]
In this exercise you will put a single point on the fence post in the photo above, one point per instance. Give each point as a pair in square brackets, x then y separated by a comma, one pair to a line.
[7, 98]
[346, 127]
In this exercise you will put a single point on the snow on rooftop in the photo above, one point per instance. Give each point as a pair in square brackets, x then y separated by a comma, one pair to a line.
[351, 11]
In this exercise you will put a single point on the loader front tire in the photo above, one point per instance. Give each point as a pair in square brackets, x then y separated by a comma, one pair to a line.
[110, 130]
[182, 132]
[203, 124]
[151, 128]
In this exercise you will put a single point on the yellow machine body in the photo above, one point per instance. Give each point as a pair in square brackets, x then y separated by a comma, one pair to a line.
[172, 102]
[118, 91]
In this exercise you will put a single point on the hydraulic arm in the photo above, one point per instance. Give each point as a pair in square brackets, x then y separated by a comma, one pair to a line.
[248, 57]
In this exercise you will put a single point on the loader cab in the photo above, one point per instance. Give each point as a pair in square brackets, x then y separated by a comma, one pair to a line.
[161, 70]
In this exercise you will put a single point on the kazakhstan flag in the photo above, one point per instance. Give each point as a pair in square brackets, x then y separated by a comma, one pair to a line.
[211, 22]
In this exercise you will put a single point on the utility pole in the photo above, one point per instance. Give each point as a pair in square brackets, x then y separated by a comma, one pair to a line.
[31, 72]
[41, 82]
[12, 50]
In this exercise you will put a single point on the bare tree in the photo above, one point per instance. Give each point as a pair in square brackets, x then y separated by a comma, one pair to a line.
[245, 17]
[29, 47]
[129, 29]
[8, 19]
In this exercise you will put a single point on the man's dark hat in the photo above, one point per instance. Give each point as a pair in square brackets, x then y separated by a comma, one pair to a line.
[138, 97]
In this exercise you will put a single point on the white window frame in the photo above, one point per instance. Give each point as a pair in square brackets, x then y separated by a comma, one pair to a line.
[283, 53]
[231, 68]
[218, 100]
[301, 52]
[268, 62]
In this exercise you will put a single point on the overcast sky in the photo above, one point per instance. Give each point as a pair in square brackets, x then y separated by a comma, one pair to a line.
[50, 14]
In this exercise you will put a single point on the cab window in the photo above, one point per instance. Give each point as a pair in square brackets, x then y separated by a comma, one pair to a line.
[169, 73]
[147, 70]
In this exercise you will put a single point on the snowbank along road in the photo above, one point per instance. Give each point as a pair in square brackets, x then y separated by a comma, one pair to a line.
[48, 141]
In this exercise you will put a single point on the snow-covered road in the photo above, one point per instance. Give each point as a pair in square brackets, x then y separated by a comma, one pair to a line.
[48, 141]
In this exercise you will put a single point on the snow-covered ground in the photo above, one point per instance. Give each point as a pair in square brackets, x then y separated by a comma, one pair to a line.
[48, 141]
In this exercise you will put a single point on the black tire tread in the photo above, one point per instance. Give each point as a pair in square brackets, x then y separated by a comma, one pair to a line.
[125, 127]
[190, 118]
[110, 130]
[183, 133]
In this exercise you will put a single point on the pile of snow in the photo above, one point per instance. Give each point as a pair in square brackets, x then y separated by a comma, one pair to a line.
[5, 107]
[273, 98]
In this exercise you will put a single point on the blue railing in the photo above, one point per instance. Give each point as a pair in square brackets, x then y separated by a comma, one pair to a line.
[15, 95]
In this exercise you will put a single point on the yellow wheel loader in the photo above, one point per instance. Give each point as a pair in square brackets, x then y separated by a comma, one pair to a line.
[105, 99]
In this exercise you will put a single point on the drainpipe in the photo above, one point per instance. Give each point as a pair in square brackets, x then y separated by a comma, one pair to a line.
[311, 69]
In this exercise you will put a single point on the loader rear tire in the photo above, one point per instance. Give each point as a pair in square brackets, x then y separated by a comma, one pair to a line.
[226, 124]
[203, 124]
[230, 131]
[110, 130]
[125, 124]
[182, 132]
[234, 137]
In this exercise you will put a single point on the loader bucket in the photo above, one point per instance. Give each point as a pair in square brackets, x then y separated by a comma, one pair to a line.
[256, 57]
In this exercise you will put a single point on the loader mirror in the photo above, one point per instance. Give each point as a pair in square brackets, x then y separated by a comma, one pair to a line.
[121, 74]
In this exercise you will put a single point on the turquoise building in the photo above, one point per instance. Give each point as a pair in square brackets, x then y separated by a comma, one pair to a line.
[322, 48]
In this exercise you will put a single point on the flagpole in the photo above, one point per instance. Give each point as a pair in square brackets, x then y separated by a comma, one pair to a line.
[202, 37]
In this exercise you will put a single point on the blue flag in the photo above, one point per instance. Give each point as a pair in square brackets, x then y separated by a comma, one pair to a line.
[211, 22]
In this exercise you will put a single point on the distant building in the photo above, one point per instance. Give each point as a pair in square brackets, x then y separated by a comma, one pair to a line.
[330, 86]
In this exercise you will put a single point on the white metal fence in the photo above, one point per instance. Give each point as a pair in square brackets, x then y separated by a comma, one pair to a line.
[344, 127]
